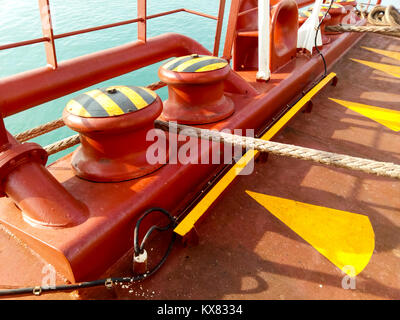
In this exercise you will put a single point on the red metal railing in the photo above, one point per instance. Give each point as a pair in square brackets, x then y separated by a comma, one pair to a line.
[49, 37]
[235, 13]
[49, 40]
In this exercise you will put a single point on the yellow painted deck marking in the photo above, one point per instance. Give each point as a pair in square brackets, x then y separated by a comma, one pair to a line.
[391, 54]
[189, 221]
[107, 103]
[387, 68]
[388, 118]
[344, 238]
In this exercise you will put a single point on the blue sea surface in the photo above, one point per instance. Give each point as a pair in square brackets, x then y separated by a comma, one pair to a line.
[19, 21]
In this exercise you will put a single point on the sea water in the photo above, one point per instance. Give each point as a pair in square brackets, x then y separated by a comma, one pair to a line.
[20, 20]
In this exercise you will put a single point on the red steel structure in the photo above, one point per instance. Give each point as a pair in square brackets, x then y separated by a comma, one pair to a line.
[84, 226]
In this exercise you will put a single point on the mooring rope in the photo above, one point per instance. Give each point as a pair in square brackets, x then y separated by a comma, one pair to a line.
[382, 20]
[385, 169]
[40, 130]
[337, 160]
[156, 85]
[62, 144]
[385, 30]
[379, 168]
[377, 16]
[384, 16]
[392, 16]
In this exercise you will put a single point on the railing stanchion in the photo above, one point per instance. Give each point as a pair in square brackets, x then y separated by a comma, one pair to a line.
[220, 22]
[47, 27]
[142, 24]
[231, 29]
[264, 72]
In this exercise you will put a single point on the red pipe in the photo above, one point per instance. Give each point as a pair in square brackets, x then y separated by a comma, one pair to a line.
[23, 43]
[42, 200]
[28, 89]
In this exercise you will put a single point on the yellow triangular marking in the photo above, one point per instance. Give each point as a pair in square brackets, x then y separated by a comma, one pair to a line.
[389, 118]
[344, 238]
[387, 68]
[391, 54]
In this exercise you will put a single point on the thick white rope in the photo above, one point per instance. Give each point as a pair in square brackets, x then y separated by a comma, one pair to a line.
[385, 169]
[62, 144]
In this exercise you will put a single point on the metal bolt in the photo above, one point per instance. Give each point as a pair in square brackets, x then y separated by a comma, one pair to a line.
[37, 291]
[112, 91]
[109, 283]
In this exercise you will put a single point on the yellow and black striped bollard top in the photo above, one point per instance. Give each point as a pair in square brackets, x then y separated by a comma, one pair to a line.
[195, 63]
[111, 101]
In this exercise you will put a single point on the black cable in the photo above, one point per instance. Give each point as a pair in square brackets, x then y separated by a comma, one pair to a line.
[316, 38]
[107, 282]
[139, 249]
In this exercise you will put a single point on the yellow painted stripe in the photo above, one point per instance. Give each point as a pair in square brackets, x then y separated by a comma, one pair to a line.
[186, 64]
[387, 68]
[189, 221]
[387, 117]
[108, 104]
[151, 92]
[391, 54]
[346, 239]
[136, 98]
[214, 66]
[76, 108]
[168, 64]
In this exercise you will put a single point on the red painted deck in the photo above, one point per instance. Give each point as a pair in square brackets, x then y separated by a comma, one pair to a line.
[244, 251]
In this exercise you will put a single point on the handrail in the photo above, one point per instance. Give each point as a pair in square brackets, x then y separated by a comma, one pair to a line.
[23, 43]
[106, 26]
[43, 6]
